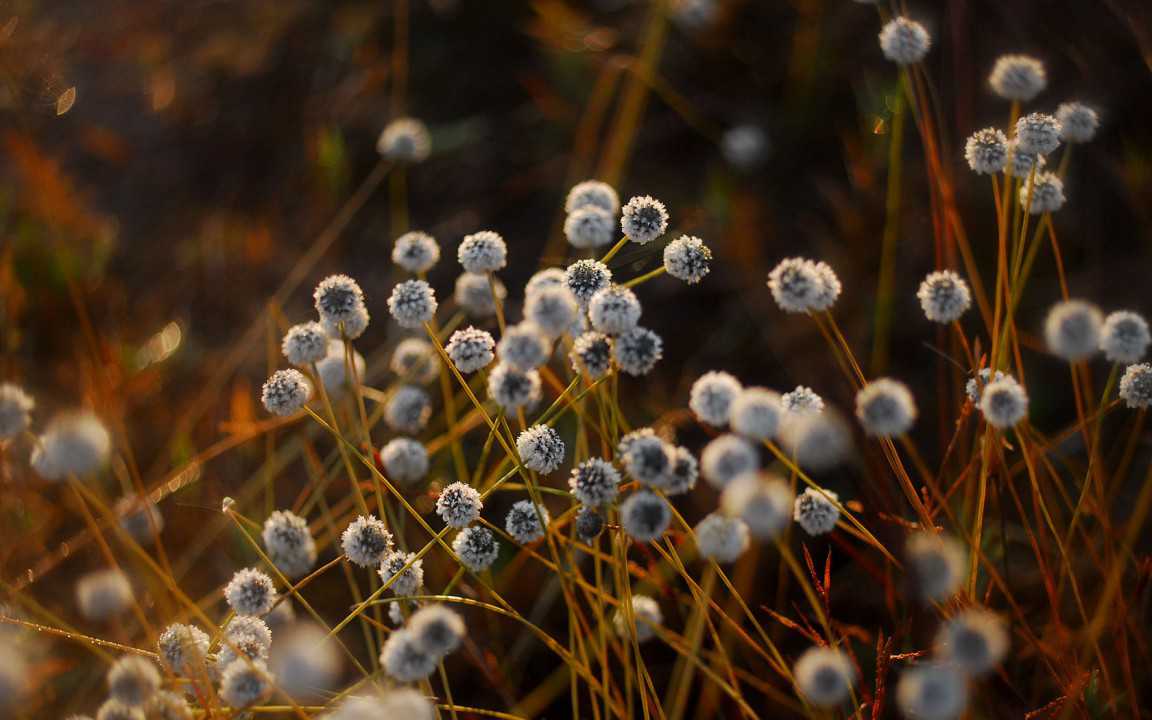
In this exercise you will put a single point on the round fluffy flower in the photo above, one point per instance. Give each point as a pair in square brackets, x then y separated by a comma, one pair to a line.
[250, 592]
[816, 512]
[133, 680]
[75, 443]
[932, 691]
[986, 151]
[1124, 337]
[1078, 122]
[644, 219]
[526, 522]
[116, 710]
[540, 449]
[289, 543]
[745, 146]
[1018, 77]
[683, 475]
[365, 541]
[645, 456]
[513, 389]
[594, 482]
[645, 516]
[1072, 329]
[1003, 403]
[721, 538]
[250, 630]
[614, 310]
[286, 392]
[103, 594]
[592, 193]
[307, 663]
[473, 293]
[476, 547]
[687, 258]
[944, 296]
[589, 523]
[183, 648]
[471, 349]
[1021, 164]
[726, 457]
[904, 41]
[166, 705]
[800, 285]
[437, 630]
[802, 400]
[245, 682]
[416, 252]
[646, 613]
[1046, 194]
[1136, 386]
[412, 303]
[975, 385]
[523, 347]
[762, 500]
[482, 252]
[554, 311]
[15, 410]
[333, 369]
[1038, 133]
[405, 140]
[885, 408]
[403, 572]
[338, 299]
[305, 344]
[817, 440]
[585, 277]
[975, 640]
[408, 409]
[458, 505]
[546, 278]
[755, 413]
[712, 395]
[140, 518]
[405, 460]
[592, 354]
[824, 676]
[637, 351]
[937, 564]
[415, 360]
[590, 227]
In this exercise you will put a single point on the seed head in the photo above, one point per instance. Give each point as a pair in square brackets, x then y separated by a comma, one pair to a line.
[140, 518]
[1072, 329]
[755, 413]
[1124, 337]
[711, 397]
[721, 538]
[932, 691]
[904, 41]
[15, 410]
[938, 565]
[412, 303]
[800, 285]
[405, 460]
[339, 299]
[683, 475]
[614, 310]
[637, 351]
[687, 258]
[1020, 164]
[166, 705]
[976, 641]
[1078, 122]
[247, 630]
[305, 344]
[1047, 194]
[366, 541]
[415, 360]
[592, 354]
[74, 443]
[523, 347]
[594, 482]
[762, 500]
[133, 680]
[944, 296]
[546, 278]
[1038, 133]
[476, 547]
[986, 151]
[646, 457]
[526, 522]
[307, 663]
[250, 592]
[471, 349]
[482, 252]
[408, 409]
[589, 524]
[437, 630]
[725, 458]
[745, 147]
[474, 294]
[183, 649]
[407, 580]
[333, 369]
[405, 140]
[824, 676]
[645, 516]
[553, 311]
[540, 448]
[585, 277]
[644, 219]
[103, 594]
[818, 441]
[1136, 386]
[245, 682]
[590, 227]
[416, 252]
[286, 392]
[1018, 77]
[592, 193]
[646, 613]
[816, 512]
[512, 389]
[885, 408]
[1004, 403]
[289, 543]
[458, 505]
[800, 401]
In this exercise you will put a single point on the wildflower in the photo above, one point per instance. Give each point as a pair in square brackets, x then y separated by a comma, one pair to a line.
[248, 627]
[74, 443]
[401, 580]
[15, 410]
[801, 400]
[592, 193]
[365, 541]
[540, 449]
[937, 563]
[585, 277]
[307, 663]
[800, 285]
[166, 705]
[755, 413]
[726, 457]
[592, 354]
[744, 147]
[932, 691]
[1018, 77]
[416, 252]
[523, 347]
[683, 474]
[482, 252]
[645, 516]
[986, 151]
[404, 659]
[339, 299]
[438, 630]
[405, 140]
[762, 500]
[305, 344]
[526, 522]
[140, 518]
[282, 614]
[474, 293]
[975, 385]
[711, 397]
[1004, 403]
[285, 392]
[416, 361]
[250, 592]
[594, 482]
[1072, 329]
[1038, 133]
[513, 389]
[245, 682]
[885, 408]
[1124, 337]
[644, 219]
[721, 538]
[183, 648]
[116, 710]
[975, 641]
[589, 524]
[546, 278]
[458, 505]
[590, 227]
[553, 311]
[403, 703]
[829, 287]
[816, 512]
[408, 409]
[476, 547]
[405, 460]
[1136, 386]
[646, 457]
[637, 351]
[687, 258]
[904, 41]
[1078, 122]
[333, 369]
[824, 676]
[289, 543]
[944, 296]
[817, 441]
[1045, 195]
[412, 303]
[103, 594]
[471, 349]
[133, 680]
[614, 310]
[647, 616]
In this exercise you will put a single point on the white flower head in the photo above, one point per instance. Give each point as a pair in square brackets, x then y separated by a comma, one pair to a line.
[944, 296]
[721, 538]
[683, 475]
[645, 516]
[932, 691]
[474, 293]
[437, 629]
[1078, 122]
[541, 449]
[824, 676]
[1018, 77]
[1072, 329]
[339, 299]
[245, 682]
[183, 649]
[755, 413]
[459, 505]
[250, 592]
[904, 41]
[405, 659]
[366, 541]
[976, 641]
[1136, 386]
[614, 310]
[986, 151]
[816, 512]
[471, 349]
[476, 547]
[727, 457]
[938, 565]
[644, 219]
[512, 389]
[553, 311]
[762, 500]
[526, 522]
[402, 572]
[1124, 337]
[523, 347]
[333, 369]
[412, 303]
[482, 252]
[1045, 194]
[415, 360]
[405, 140]
[416, 252]
[133, 680]
[687, 258]
[405, 460]
[589, 523]
[592, 193]
[305, 344]
[590, 227]
[817, 440]
[1021, 164]
[408, 409]
[592, 354]
[1038, 133]
[745, 147]
[289, 543]
[103, 594]
[802, 400]
[585, 277]
[74, 443]
[645, 456]
[15, 410]
[637, 351]
[885, 408]
[647, 616]
[594, 482]
[799, 285]
[1004, 403]
[140, 518]
[711, 397]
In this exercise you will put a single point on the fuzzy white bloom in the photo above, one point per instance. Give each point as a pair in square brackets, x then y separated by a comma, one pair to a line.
[801, 401]
[721, 538]
[405, 460]
[412, 303]
[1078, 122]
[473, 293]
[594, 482]
[824, 676]
[816, 512]
[762, 500]
[592, 193]
[133, 680]
[938, 565]
[546, 278]
[403, 573]
[645, 516]
[726, 457]
[333, 369]
[74, 443]
[251, 636]
[1038, 133]
[711, 397]
[250, 592]
[285, 392]
[590, 227]
[589, 523]
[904, 41]
[975, 640]
[471, 349]
[338, 299]
[637, 351]
[289, 543]
[512, 389]
[975, 385]
[482, 252]
[416, 252]
[523, 347]
[553, 311]
[944, 296]
[799, 285]
[245, 682]
[885, 408]
[116, 710]
[476, 547]
[687, 258]
[103, 594]
[1124, 337]
[458, 505]
[745, 147]
[405, 140]
[1045, 194]
[645, 456]
[932, 691]
[306, 662]
[540, 449]
[416, 361]
[140, 518]
[15, 410]
[1018, 77]
[1072, 329]
[646, 613]
[305, 344]
[438, 630]
[1136, 386]
[366, 541]
[644, 219]
[1021, 164]
[614, 310]
[1004, 403]
[526, 522]
[755, 413]
[592, 354]
[166, 705]
[408, 409]
[817, 440]
[585, 277]
[183, 649]
[683, 475]
[986, 151]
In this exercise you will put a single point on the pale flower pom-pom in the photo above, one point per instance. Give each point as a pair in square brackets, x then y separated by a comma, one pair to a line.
[103, 594]
[404, 659]
[816, 511]
[286, 392]
[755, 413]
[594, 482]
[1043, 194]
[512, 389]
[471, 349]
[725, 458]
[553, 311]
[594, 193]
[614, 310]
[762, 500]
[645, 516]
[589, 227]
[721, 538]
[712, 395]
[1078, 122]
[1072, 329]
[415, 360]
[250, 592]
[885, 408]
[637, 351]
[932, 691]
[944, 296]
[938, 565]
[412, 303]
[133, 680]
[1004, 403]
[402, 572]
[540, 448]
[1136, 386]
[416, 252]
[824, 676]
[438, 629]
[405, 460]
[289, 543]
[1038, 133]
[482, 252]
[365, 541]
[986, 151]
[799, 285]
[305, 344]
[74, 443]
[476, 547]
[1124, 337]
[976, 640]
[245, 682]
[405, 140]
[526, 522]
[644, 219]
[1018, 77]
[687, 258]
[646, 612]
[459, 505]
[904, 41]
